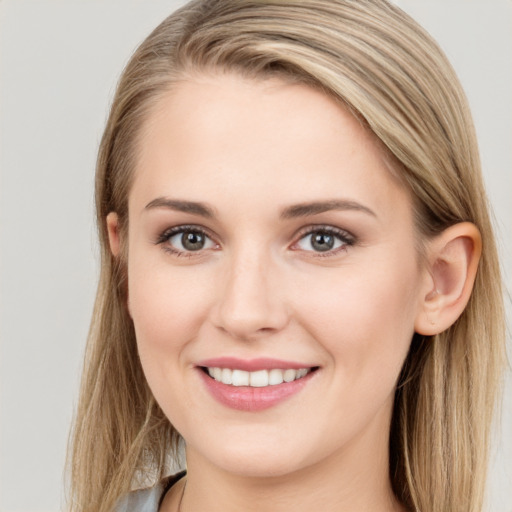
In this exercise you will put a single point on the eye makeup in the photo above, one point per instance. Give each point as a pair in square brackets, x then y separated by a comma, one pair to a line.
[186, 240]
[323, 240]
[193, 240]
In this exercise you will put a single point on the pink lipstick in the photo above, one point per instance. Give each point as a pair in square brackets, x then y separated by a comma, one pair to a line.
[256, 384]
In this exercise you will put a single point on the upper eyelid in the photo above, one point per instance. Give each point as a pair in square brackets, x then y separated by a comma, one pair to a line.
[299, 234]
[186, 227]
[325, 227]
[311, 228]
[165, 235]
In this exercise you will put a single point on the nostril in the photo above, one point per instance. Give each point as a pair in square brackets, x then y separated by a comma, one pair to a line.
[246, 322]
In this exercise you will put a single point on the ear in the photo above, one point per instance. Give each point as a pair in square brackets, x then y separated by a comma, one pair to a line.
[115, 246]
[453, 258]
[113, 233]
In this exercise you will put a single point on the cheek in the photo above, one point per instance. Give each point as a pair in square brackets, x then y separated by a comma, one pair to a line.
[366, 319]
[167, 307]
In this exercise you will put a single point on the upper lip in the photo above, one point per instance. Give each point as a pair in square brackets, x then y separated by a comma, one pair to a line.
[252, 365]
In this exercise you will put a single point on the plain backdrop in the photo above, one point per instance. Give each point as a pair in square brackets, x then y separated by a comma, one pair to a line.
[59, 62]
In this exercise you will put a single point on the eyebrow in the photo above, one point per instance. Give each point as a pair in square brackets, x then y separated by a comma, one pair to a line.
[290, 212]
[181, 206]
[316, 207]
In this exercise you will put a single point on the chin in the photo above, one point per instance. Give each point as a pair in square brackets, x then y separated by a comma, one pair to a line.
[260, 468]
[255, 460]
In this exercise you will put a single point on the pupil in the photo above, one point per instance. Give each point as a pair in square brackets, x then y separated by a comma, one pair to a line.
[322, 242]
[192, 241]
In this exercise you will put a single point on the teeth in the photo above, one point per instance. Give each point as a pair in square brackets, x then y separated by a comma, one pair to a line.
[302, 373]
[226, 376]
[289, 375]
[275, 377]
[258, 379]
[239, 378]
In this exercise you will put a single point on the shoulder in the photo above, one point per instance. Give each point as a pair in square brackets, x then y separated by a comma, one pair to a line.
[147, 500]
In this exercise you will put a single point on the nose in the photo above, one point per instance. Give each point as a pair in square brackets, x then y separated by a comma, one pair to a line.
[250, 301]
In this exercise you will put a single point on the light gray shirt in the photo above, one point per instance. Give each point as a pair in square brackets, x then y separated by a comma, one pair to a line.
[147, 500]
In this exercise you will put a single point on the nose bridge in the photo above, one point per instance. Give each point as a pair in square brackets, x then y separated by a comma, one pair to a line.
[250, 303]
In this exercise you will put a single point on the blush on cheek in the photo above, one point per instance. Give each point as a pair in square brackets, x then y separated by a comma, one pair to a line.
[164, 318]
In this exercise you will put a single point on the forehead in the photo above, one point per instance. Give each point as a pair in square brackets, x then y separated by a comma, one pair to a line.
[233, 138]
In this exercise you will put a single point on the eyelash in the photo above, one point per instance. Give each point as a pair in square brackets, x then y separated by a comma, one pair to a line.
[163, 239]
[346, 238]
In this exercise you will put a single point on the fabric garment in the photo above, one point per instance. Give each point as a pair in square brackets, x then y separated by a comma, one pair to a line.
[148, 500]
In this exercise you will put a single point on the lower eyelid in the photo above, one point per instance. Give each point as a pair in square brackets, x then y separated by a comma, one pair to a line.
[163, 239]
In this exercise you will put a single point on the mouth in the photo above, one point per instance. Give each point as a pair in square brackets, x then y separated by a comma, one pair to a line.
[256, 379]
[254, 385]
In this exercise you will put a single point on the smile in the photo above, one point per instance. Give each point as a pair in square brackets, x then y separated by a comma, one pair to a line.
[256, 379]
[254, 385]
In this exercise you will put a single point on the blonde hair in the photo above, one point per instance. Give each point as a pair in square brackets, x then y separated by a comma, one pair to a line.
[389, 72]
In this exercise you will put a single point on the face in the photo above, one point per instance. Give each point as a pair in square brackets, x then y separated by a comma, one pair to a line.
[272, 273]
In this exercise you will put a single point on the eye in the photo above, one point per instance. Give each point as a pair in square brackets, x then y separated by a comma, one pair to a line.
[181, 240]
[324, 240]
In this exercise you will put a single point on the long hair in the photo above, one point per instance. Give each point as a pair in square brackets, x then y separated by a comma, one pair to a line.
[383, 67]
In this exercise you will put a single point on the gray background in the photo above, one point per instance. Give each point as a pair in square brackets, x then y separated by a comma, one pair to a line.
[59, 61]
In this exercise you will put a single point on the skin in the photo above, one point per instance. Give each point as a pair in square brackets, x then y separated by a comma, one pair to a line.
[249, 150]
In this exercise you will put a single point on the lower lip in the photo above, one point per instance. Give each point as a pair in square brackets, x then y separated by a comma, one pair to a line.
[246, 398]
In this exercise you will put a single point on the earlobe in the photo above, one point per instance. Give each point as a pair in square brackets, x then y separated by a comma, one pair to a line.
[453, 258]
[113, 233]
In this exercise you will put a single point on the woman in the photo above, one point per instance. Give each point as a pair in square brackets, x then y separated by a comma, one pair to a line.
[299, 276]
